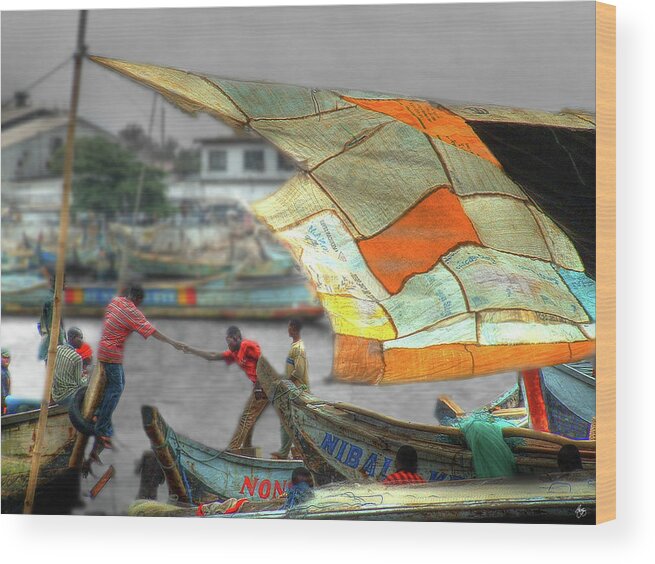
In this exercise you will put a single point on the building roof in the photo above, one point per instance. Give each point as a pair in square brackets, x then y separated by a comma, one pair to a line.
[228, 139]
[237, 137]
[33, 127]
[12, 115]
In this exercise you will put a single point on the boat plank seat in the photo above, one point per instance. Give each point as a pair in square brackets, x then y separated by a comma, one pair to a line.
[250, 452]
[451, 404]
[510, 412]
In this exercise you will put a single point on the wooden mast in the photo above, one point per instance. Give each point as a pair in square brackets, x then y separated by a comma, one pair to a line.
[137, 204]
[61, 257]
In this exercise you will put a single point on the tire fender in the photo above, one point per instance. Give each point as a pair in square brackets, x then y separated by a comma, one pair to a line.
[84, 426]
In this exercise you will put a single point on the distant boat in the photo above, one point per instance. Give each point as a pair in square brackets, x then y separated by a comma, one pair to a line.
[17, 260]
[265, 296]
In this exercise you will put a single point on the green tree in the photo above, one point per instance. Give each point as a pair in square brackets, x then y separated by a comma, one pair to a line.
[106, 178]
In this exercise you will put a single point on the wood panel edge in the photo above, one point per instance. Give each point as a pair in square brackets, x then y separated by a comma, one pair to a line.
[606, 260]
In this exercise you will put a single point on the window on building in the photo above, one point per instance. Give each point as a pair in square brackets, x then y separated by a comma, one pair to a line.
[55, 143]
[253, 160]
[284, 163]
[217, 160]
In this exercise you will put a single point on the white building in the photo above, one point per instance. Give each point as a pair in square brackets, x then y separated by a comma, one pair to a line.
[234, 167]
[30, 138]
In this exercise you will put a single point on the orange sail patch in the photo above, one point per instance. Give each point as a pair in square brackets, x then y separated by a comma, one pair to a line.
[415, 242]
[439, 362]
[497, 358]
[358, 360]
[435, 121]
[446, 362]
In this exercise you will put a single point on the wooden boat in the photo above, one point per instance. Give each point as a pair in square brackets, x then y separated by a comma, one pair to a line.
[343, 441]
[195, 263]
[159, 265]
[196, 473]
[263, 297]
[17, 436]
[564, 395]
[17, 260]
[555, 498]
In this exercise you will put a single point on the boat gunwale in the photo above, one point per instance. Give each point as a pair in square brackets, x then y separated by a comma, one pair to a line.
[233, 458]
[12, 419]
[508, 432]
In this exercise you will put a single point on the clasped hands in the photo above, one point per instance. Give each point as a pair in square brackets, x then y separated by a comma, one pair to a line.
[180, 346]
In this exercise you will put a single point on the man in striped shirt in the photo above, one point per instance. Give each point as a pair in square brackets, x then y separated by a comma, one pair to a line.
[68, 368]
[406, 468]
[122, 317]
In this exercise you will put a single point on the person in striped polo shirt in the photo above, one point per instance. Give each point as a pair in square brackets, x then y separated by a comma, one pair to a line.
[68, 368]
[406, 468]
[122, 317]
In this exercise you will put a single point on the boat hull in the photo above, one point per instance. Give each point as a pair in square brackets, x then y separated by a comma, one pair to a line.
[557, 498]
[17, 437]
[196, 473]
[156, 265]
[549, 499]
[570, 399]
[341, 441]
[265, 298]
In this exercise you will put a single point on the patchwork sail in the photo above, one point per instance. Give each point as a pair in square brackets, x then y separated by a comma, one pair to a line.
[432, 254]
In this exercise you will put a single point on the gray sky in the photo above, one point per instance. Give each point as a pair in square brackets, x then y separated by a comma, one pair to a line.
[534, 55]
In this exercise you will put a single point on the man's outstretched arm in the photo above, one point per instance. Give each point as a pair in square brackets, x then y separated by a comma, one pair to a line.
[207, 355]
[165, 339]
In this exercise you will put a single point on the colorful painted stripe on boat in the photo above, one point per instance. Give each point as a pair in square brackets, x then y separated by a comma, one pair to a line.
[186, 296]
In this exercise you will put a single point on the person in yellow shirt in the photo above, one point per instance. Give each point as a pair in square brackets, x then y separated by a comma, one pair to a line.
[297, 371]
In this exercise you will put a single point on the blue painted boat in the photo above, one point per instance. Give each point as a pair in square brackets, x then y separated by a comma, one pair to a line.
[196, 473]
[569, 394]
[564, 395]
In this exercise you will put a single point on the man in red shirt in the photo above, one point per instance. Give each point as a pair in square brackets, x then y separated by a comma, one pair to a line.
[122, 317]
[246, 354]
[86, 352]
[406, 468]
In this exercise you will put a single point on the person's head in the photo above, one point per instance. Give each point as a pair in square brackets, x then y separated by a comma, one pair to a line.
[301, 474]
[6, 357]
[569, 459]
[407, 459]
[233, 338]
[135, 294]
[295, 326]
[75, 337]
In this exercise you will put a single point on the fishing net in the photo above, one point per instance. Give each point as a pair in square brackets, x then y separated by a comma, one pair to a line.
[492, 457]
[150, 508]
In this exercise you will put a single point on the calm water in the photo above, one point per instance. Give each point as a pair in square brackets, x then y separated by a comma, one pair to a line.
[204, 399]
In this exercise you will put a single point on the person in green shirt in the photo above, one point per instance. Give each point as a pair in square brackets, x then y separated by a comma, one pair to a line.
[45, 323]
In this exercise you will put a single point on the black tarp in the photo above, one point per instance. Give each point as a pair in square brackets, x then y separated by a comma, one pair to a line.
[556, 167]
